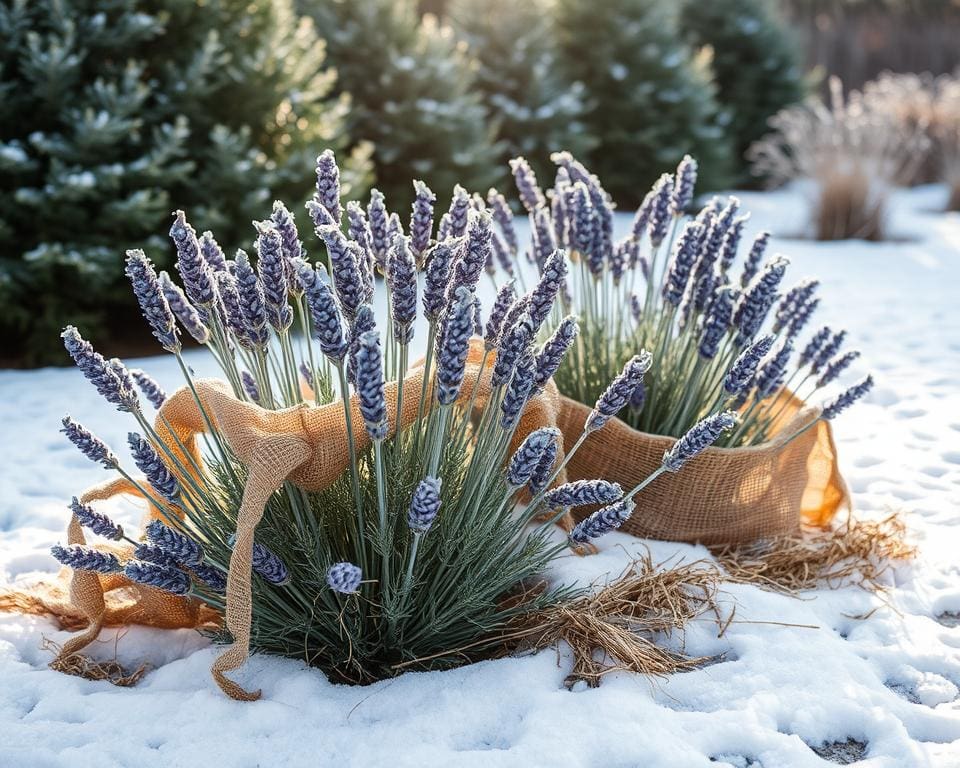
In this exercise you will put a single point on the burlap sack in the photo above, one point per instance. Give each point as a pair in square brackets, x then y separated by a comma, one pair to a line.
[724, 495]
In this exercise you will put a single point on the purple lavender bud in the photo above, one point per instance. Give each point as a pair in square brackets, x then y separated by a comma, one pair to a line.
[792, 302]
[421, 220]
[515, 341]
[716, 324]
[369, 385]
[424, 505]
[551, 356]
[812, 350]
[745, 366]
[292, 248]
[89, 445]
[269, 565]
[773, 371]
[324, 315]
[530, 194]
[504, 218]
[319, 215]
[212, 253]
[660, 210]
[358, 229]
[162, 577]
[639, 398]
[843, 401]
[525, 459]
[543, 241]
[328, 185]
[835, 367]
[437, 277]
[252, 303]
[403, 290]
[618, 259]
[149, 462]
[459, 212]
[211, 577]
[757, 298]
[153, 304]
[582, 492]
[618, 394]
[273, 276]
[378, 218]
[518, 391]
[504, 259]
[731, 242]
[544, 469]
[828, 350]
[452, 352]
[347, 281]
[394, 230]
[344, 578]
[581, 221]
[250, 386]
[752, 264]
[544, 294]
[151, 390]
[641, 218]
[469, 266]
[501, 306]
[191, 265]
[363, 323]
[151, 553]
[184, 311]
[234, 317]
[86, 559]
[443, 229]
[802, 316]
[602, 521]
[681, 263]
[698, 438]
[686, 180]
[558, 214]
[181, 548]
[99, 523]
[110, 380]
[307, 375]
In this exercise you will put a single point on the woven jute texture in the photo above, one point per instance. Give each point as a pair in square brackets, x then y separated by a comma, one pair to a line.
[724, 495]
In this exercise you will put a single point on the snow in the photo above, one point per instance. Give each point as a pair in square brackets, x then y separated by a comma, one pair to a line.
[793, 673]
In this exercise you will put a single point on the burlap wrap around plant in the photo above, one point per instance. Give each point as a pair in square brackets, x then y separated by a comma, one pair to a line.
[724, 495]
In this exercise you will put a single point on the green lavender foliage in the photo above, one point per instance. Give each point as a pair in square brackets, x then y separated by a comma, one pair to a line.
[536, 110]
[414, 95]
[755, 61]
[652, 102]
[112, 109]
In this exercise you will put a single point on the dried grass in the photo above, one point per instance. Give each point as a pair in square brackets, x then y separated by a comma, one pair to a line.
[83, 666]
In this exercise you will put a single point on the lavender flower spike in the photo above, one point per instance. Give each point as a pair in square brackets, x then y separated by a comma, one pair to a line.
[421, 220]
[97, 522]
[180, 547]
[250, 386]
[757, 298]
[515, 342]
[602, 521]
[273, 276]
[328, 185]
[151, 390]
[745, 366]
[212, 578]
[425, 505]
[347, 281]
[848, 398]
[327, 325]
[812, 350]
[111, 380]
[752, 264]
[551, 356]
[545, 292]
[184, 311]
[698, 438]
[377, 216]
[164, 577]
[153, 304]
[660, 210]
[344, 578]
[86, 559]
[268, 565]
[469, 267]
[828, 350]
[505, 298]
[518, 391]
[193, 268]
[618, 394]
[524, 461]
[369, 385]
[457, 215]
[403, 290]
[90, 446]
[504, 218]
[149, 462]
[686, 180]
[835, 367]
[582, 492]
[642, 217]
[544, 469]
[452, 354]
[151, 553]
[232, 307]
[530, 194]
[212, 253]
[772, 373]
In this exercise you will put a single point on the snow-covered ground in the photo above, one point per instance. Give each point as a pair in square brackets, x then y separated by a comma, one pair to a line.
[888, 682]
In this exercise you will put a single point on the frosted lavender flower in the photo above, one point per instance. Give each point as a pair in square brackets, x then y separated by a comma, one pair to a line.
[369, 385]
[558, 214]
[363, 323]
[89, 445]
[660, 215]
[344, 578]
[378, 217]
[292, 248]
[530, 194]
[752, 264]
[184, 311]
[443, 229]
[153, 304]
[424, 505]
[544, 469]
[829, 349]
[325, 317]
[524, 461]
[151, 553]
[505, 299]
[843, 401]
[504, 218]
[421, 220]
[328, 185]
[517, 310]
[403, 290]
[698, 438]
[745, 366]
[269, 565]
[232, 306]
[358, 229]
[543, 242]
[181, 548]
[757, 298]
[835, 367]
[602, 521]
[193, 268]
[681, 263]
[164, 577]
[86, 559]
[211, 577]
[273, 276]
[469, 266]
[716, 324]
[435, 282]
[641, 219]
[250, 386]
[582, 492]
[97, 522]
[686, 180]
[518, 391]
[504, 259]
[319, 215]
[212, 253]
[110, 380]
[731, 242]
[618, 260]
[544, 294]
[581, 220]
[812, 350]
[452, 351]
[347, 281]
[151, 390]
[394, 229]
[801, 317]
[149, 462]
[639, 398]
[515, 341]
[617, 395]
[792, 301]
[551, 356]
[459, 212]
[773, 371]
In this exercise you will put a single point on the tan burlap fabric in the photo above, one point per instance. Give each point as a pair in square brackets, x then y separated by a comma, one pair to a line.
[725, 495]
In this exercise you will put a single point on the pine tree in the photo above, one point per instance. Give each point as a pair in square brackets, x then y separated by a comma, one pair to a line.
[651, 102]
[536, 111]
[413, 95]
[755, 63]
[112, 115]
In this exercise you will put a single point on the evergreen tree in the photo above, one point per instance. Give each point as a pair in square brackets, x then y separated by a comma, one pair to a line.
[651, 102]
[115, 112]
[755, 63]
[413, 95]
[536, 111]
